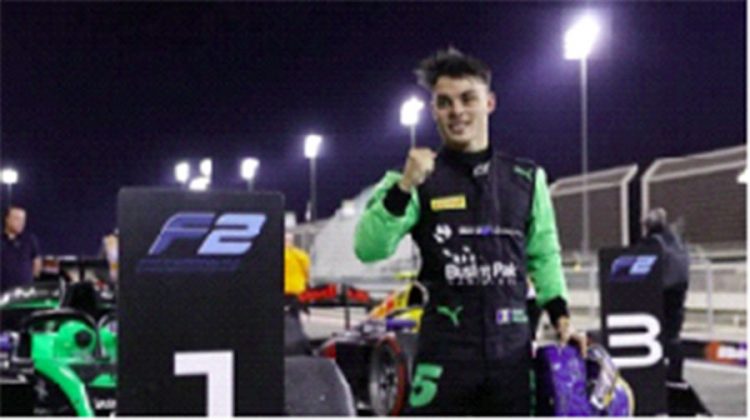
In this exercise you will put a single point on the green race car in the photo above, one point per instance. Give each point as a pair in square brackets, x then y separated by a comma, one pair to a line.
[58, 350]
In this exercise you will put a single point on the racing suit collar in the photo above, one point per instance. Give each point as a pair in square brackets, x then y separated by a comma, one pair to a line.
[466, 159]
[475, 163]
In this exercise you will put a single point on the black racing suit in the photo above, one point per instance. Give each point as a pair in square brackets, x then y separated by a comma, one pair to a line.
[480, 220]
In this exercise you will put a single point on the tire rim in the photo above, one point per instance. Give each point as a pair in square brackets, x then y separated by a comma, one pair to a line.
[384, 383]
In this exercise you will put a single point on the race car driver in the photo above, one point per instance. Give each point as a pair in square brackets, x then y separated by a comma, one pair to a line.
[483, 222]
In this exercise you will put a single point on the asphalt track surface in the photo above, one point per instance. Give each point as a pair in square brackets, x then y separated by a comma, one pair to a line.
[722, 388]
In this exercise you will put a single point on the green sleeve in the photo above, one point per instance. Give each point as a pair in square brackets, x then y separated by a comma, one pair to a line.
[379, 232]
[544, 264]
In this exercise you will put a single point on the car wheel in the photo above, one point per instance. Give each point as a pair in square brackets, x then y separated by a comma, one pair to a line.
[388, 378]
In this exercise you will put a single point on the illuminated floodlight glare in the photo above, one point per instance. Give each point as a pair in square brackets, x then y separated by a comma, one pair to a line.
[410, 111]
[206, 167]
[9, 176]
[580, 39]
[312, 145]
[742, 178]
[290, 220]
[249, 168]
[182, 172]
[199, 184]
[348, 208]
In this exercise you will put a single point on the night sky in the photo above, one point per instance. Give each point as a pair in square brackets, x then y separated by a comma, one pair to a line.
[96, 96]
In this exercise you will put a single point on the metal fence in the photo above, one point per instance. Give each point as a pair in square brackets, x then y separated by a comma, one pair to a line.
[717, 297]
[608, 210]
[703, 194]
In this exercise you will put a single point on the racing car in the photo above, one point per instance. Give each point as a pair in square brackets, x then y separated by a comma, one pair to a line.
[78, 283]
[58, 346]
[68, 361]
[376, 355]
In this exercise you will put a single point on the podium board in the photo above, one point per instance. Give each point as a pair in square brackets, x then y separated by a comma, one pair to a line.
[632, 317]
[200, 303]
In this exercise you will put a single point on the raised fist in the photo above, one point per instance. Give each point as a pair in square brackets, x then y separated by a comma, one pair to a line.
[419, 165]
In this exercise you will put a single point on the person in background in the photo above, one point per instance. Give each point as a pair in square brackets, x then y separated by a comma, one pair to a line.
[110, 249]
[296, 273]
[675, 279]
[20, 260]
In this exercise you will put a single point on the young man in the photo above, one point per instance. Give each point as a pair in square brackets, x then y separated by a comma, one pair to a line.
[20, 262]
[483, 222]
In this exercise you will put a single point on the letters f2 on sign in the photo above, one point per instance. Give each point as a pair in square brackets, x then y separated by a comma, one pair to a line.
[231, 233]
[632, 267]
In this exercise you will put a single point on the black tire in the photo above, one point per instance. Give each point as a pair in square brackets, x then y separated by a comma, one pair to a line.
[388, 380]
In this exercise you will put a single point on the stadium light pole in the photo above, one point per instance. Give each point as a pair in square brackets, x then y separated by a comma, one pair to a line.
[312, 147]
[410, 116]
[579, 40]
[9, 178]
[248, 170]
[182, 173]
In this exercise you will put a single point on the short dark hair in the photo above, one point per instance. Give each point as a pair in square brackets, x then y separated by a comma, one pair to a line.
[655, 220]
[452, 63]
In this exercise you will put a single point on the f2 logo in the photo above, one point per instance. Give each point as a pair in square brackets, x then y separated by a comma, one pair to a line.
[632, 267]
[648, 339]
[231, 234]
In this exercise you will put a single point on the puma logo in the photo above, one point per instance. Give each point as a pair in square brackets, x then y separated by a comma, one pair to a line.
[526, 173]
[452, 314]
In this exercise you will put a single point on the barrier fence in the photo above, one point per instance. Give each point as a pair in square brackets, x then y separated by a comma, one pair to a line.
[717, 295]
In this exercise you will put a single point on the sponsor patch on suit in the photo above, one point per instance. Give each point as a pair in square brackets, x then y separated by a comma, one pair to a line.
[453, 202]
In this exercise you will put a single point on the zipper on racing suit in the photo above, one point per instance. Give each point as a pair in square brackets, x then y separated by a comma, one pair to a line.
[481, 187]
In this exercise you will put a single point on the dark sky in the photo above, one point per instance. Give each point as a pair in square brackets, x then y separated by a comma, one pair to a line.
[96, 96]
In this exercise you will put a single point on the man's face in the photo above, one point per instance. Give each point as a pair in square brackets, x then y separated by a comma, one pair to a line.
[461, 109]
[15, 221]
[288, 239]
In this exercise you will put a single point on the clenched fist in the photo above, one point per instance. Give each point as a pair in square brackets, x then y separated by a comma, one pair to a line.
[419, 165]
